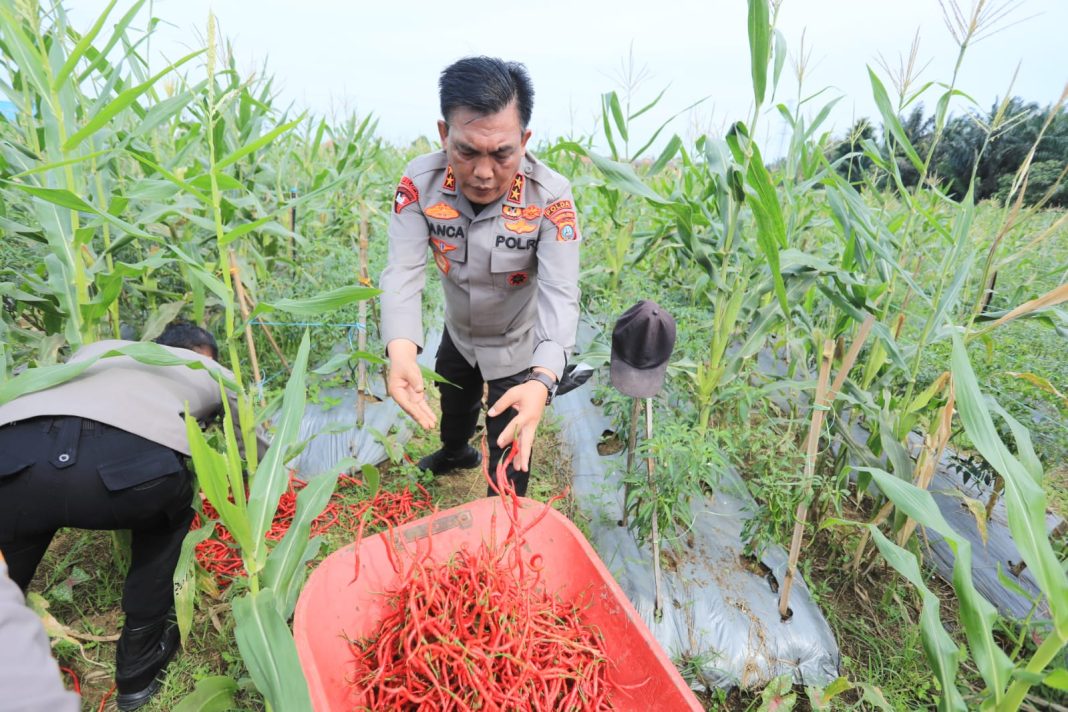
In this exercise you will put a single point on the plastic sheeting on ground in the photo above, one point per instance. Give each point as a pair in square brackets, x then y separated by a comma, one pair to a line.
[718, 614]
[363, 443]
[948, 489]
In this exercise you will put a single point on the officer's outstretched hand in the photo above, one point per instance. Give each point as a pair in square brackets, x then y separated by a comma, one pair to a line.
[529, 401]
[405, 383]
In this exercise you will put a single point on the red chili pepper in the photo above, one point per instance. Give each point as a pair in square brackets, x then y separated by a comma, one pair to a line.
[480, 632]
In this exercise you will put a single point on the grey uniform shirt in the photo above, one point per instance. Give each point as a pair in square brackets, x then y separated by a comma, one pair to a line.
[510, 273]
[29, 676]
[145, 400]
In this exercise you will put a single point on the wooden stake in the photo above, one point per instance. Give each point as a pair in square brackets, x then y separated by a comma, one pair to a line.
[632, 443]
[361, 336]
[658, 598]
[819, 405]
[236, 275]
[250, 304]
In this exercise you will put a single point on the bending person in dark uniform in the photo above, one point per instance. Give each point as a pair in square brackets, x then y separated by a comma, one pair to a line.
[107, 450]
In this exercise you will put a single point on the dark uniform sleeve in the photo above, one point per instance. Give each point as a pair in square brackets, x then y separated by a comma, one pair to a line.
[558, 290]
[405, 275]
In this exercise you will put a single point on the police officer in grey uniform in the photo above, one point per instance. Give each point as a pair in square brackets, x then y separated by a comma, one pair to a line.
[502, 229]
[29, 675]
[107, 450]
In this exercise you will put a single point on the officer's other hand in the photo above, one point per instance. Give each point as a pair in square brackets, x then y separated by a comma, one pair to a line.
[529, 401]
[405, 383]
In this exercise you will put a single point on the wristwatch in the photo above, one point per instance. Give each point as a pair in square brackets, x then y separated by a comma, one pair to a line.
[548, 381]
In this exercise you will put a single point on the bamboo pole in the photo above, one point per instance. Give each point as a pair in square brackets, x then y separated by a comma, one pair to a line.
[819, 405]
[240, 289]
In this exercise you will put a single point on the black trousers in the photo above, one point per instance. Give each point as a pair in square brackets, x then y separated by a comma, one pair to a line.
[74, 472]
[460, 406]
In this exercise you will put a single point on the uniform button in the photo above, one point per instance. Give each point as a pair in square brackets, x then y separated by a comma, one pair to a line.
[64, 457]
[528, 170]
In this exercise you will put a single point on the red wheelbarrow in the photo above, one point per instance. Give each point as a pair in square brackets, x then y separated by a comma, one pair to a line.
[333, 608]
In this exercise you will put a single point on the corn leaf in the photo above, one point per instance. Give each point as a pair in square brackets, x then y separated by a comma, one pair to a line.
[1051, 298]
[36, 379]
[759, 47]
[257, 144]
[214, 479]
[211, 694]
[84, 43]
[269, 652]
[285, 572]
[620, 176]
[770, 227]
[271, 476]
[942, 653]
[185, 579]
[320, 303]
[122, 101]
[891, 121]
[243, 229]
[1025, 499]
[977, 614]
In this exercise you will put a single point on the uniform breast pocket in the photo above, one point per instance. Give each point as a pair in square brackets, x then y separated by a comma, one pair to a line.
[514, 268]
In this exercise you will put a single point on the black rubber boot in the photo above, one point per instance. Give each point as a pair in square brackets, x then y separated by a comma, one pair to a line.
[140, 659]
[442, 461]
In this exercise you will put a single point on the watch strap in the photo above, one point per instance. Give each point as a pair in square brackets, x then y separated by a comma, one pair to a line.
[543, 379]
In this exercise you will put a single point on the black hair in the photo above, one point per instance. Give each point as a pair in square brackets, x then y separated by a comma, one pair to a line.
[183, 335]
[486, 85]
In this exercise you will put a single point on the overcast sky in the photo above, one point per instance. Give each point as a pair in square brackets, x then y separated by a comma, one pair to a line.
[384, 58]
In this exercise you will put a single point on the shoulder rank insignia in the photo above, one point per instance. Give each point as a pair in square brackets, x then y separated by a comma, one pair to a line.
[515, 194]
[449, 183]
[442, 211]
[407, 194]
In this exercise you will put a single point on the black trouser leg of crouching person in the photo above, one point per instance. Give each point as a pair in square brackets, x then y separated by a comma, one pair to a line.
[73, 472]
[460, 407]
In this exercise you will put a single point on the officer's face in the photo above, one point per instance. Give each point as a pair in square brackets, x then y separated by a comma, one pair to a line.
[484, 150]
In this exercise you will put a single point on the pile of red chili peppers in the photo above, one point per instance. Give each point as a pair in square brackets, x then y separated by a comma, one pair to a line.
[481, 632]
[221, 558]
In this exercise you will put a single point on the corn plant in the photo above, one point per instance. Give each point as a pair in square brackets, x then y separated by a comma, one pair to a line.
[1007, 679]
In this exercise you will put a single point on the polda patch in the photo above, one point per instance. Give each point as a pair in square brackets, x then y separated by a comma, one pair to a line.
[449, 183]
[562, 215]
[518, 279]
[442, 211]
[553, 210]
[407, 194]
[520, 227]
[515, 193]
